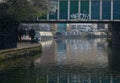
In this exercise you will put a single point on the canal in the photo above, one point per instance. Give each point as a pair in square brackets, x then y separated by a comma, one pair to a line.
[66, 61]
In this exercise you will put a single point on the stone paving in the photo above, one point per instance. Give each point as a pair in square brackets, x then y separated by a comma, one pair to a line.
[26, 44]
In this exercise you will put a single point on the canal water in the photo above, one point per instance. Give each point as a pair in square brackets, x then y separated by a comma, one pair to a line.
[66, 61]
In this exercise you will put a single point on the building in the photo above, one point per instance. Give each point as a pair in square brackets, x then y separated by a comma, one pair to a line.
[82, 27]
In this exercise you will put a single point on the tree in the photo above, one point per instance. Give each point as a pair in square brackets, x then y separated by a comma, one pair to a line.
[12, 12]
[23, 10]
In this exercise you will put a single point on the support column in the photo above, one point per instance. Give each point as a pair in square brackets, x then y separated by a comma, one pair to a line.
[68, 9]
[58, 12]
[89, 9]
[79, 9]
[116, 34]
[114, 55]
[47, 16]
[111, 9]
[100, 9]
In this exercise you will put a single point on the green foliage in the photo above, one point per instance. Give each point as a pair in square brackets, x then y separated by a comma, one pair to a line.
[42, 4]
[22, 10]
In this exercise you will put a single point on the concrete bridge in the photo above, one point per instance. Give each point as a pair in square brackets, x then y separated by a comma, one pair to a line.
[85, 11]
[77, 11]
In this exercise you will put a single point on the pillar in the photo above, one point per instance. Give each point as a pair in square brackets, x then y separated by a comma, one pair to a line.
[115, 34]
[79, 9]
[89, 9]
[111, 9]
[114, 53]
[48, 15]
[100, 9]
[68, 9]
[58, 12]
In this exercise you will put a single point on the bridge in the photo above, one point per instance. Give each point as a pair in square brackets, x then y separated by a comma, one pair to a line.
[82, 10]
[85, 11]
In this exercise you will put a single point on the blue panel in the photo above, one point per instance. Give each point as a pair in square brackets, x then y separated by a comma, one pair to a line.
[63, 9]
[53, 15]
[53, 9]
[85, 7]
[116, 9]
[84, 10]
[95, 13]
[106, 9]
[73, 9]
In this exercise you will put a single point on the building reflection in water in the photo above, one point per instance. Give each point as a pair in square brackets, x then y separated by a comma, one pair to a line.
[82, 52]
[90, 55]
[80, 78]
[77, 52]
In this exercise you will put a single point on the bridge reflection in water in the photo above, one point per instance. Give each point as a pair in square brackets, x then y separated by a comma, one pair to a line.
[66, 61]
[79, 61]
[80, 78]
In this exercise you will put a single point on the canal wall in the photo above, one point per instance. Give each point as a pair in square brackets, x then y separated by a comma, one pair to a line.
[8, 34]
[20, 52]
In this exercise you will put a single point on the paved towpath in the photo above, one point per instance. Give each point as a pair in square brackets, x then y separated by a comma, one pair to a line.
[27, 44]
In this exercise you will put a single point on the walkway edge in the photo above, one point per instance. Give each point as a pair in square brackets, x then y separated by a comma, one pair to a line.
[20, 52]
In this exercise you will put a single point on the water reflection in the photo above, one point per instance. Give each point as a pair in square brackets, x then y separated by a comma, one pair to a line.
[114, 59]
[66, 61]
[85, 52]
[82, 52]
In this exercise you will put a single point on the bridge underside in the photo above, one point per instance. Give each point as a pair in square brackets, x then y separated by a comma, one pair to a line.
[64, 21]
[114, 25]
